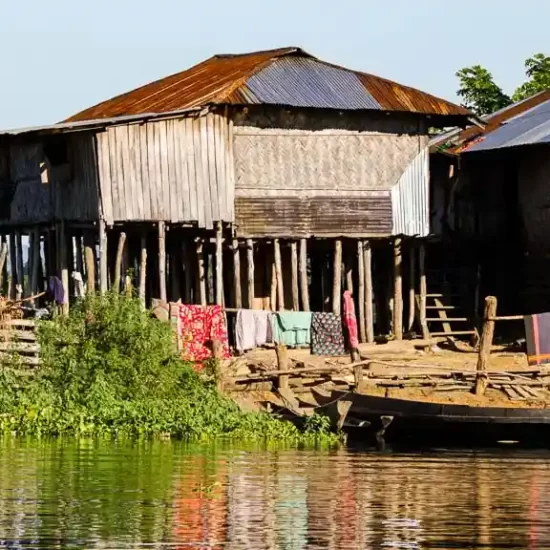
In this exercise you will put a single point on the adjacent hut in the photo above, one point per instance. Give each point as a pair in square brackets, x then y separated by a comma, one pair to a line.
[264, 180]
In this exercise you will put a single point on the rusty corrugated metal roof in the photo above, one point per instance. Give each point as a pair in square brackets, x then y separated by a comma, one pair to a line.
[287, 76]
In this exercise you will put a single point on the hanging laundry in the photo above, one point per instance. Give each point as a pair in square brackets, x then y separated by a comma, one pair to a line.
[537, 335]
[252, 329]
[350, 320]
[56, 290]
[79, 291]
[292, 328]
[327, 336]
[198, 328]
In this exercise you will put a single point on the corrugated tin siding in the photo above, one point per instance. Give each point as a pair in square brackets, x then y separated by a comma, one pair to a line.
[410, 198]
[368, 215]
[173, 170]
[305, 82]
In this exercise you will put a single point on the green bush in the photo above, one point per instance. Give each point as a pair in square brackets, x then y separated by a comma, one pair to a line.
[109, 368]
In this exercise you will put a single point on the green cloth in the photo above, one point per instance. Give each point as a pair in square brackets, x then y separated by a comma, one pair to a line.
[292, 328]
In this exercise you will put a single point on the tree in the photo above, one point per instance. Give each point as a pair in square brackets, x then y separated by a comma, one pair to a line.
[480, 92]
[537, 69]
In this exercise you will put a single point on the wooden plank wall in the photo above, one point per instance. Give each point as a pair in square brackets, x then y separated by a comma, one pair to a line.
[178, 171]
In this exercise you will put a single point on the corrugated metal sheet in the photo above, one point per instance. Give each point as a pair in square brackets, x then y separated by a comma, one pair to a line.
[529, 128]
[296, 77]
[410, 200]
[314, 216]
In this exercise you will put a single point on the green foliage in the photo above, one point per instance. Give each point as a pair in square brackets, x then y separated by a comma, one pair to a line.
[111, 369]
[479, 91]
[537, 69]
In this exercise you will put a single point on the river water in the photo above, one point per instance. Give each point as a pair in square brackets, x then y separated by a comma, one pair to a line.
[90, 494]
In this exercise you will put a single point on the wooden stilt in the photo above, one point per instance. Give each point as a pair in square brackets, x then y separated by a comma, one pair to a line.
[283, 364]
[13, 265]
[397, 290]
[486, 343]
[237, 275]
[250, 271]
[143, 269]
[294, 269]
[20, 268]
[412, 297]
[3, 258]
[369, 313]
[279, 273]
[103, 272]
[361, 292]
[90, 260]
[337, 280]
[273, 295]
[64, 265]
[349, 272]
[35, 254]
[162, 260]
[5, 287]
[118, 261]
[219, 264]
[423, 291]
[201, 272]
[79, 265]
[304, 287]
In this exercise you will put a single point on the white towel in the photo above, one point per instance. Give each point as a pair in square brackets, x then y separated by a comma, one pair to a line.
[252, 329]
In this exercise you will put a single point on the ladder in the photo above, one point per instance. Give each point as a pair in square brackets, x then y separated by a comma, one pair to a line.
[444, 318]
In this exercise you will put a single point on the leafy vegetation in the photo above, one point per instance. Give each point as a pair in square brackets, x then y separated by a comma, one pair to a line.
[111, 369]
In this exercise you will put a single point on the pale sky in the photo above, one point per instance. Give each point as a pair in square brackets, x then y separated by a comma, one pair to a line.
[60, 56]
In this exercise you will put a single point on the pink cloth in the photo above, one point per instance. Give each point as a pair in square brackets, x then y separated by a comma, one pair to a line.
[198, 327]
[350, 320]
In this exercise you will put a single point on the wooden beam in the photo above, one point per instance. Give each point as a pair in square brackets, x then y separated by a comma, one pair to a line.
[237, 291]
[90, 260]
[162, 260]
[143, 269]
[20, 270]
[423, 290]
[78, 251]
[412, 290]
[369, 293]
[304, 287]
[118, 262]
[219, 264]
[273, 290]
[103, 261]
[361, 291]
[294, 269]
[250, 271]
[397, 290]
[13, 264]
[201, 272]
[35, 252]
[3, 257]
[64, 265]
[337, 279]
[486, 344]
[279, 273]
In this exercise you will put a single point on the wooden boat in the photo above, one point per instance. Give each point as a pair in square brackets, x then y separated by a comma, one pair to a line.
[389, 420]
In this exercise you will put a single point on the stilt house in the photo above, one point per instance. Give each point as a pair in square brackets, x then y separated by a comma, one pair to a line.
[266, 180]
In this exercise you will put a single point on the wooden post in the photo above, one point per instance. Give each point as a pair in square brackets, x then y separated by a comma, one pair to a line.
[250, 271]
[162, 260]
[188, 278]
[412, 296]
[304, 287]
[397, 290]
[423, 291]
[358, 376]
[283, 364]
[143, 269]
[349, 272]
[3, 256]
[337, 279]
[273, 290]
[103, 272]
[279, 273]
[78, 251]
[201, 272]
[90, 260]
[361, 291]
[294, 269]
[64, 266]
[13, 264]
[237, 275]
[486, 344]
[35, 253]
[118, 261]
[219, 264]
[20, 270]
[369, 313]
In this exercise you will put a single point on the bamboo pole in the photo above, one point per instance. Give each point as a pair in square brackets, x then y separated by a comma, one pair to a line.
[237, 275]
[90, 260]
[423, 291]
[279, 273]
[304, 287]
[103, 272]
[118, 261]
[397, 290]
[486, 344]
[337, 279]
[369, 313]
[20, 270]
[273, 290]
[412, 292]
[162, 260]
[5, 287]
[64, 265]
[250, 271]
[3, 256]
[13, 265]
[35, 253]
[294, 268]
[219, 264]
[143, 269]
[361, 291]
[201, 272]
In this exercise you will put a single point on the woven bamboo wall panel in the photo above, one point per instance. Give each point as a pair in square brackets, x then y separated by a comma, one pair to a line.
[315, 216]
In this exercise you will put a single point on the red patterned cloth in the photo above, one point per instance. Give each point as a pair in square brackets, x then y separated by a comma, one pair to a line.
[198, 327]
[350, 320]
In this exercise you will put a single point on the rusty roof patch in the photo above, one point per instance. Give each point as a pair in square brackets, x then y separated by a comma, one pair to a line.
[241, 79]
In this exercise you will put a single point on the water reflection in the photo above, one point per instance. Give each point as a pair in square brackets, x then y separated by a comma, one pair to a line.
[66, 494]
